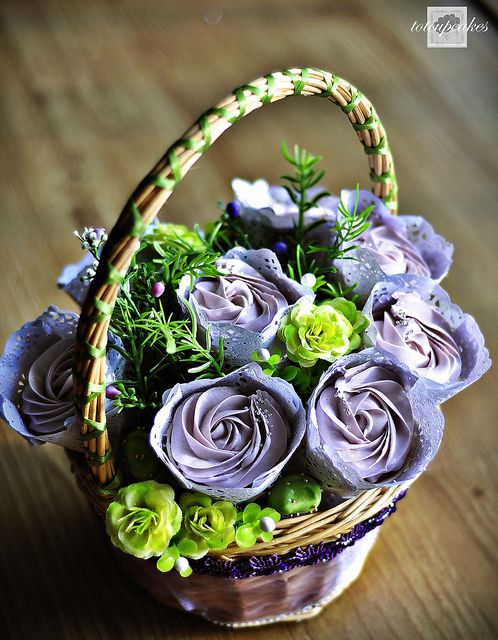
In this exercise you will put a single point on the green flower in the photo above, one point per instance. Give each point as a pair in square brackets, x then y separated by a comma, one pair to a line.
[255, 523]
[174, 235]
[143, 519]
[209, 525]
[321, 332]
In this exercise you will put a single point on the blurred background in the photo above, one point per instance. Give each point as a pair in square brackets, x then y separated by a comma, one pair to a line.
[92, 94]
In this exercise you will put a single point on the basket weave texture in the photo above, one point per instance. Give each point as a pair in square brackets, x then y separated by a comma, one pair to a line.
[101, 478]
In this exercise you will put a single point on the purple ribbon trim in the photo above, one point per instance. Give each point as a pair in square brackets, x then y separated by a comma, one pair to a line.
[300, 557]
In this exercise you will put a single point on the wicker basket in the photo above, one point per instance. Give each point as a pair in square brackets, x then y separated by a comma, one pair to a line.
[312, 558]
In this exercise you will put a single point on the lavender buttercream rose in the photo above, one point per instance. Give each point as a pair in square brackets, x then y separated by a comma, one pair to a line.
[243, 306]
[240, 296]
[418, 334]
[371, 423]
[47, 399]
[413, 319]
[392, 245]
[229, 437]
[36, 385]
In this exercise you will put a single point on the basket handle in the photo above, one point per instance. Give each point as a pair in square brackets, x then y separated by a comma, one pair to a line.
[150, 196]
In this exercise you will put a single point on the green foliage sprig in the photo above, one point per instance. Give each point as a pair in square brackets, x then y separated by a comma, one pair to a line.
[162, 348]
[348, 227]
[305, 177]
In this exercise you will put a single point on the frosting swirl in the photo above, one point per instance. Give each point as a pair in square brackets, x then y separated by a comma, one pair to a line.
[365, 416]
[419, 335]
[241, 296]
[392, 250]
[47, 399]
[227, 438]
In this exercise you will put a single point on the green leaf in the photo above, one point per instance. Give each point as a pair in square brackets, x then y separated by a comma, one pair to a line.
[186, 573]
[200, 368]
[188, 547]
[266, 536]
[245, 536]
[251, 512]
[290, 372]
[167, 561]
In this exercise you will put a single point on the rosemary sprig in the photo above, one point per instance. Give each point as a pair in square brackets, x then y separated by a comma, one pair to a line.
[305, 177]
[162, 348]
[349, 226]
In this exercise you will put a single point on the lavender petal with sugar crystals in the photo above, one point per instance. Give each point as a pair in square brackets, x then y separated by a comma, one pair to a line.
[36, 391]
[414, 318]
[371, 424]
[230, 437]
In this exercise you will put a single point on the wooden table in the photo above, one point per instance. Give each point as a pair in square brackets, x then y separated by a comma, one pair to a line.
[92, 93]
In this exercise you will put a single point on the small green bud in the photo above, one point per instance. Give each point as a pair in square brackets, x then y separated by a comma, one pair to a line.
[139, 458]
[295, 493]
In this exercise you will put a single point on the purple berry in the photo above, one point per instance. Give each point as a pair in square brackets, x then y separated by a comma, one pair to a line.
[157, 289]
[233, 209]
[112, 392]
[280, 248]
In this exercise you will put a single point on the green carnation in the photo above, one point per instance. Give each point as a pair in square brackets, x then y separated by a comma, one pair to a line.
[321, 332]
[210, 525]
[143, 519]
[174, 235]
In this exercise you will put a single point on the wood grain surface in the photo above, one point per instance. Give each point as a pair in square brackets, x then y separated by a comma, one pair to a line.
[92, 92]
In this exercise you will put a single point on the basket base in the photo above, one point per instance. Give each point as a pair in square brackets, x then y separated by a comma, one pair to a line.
[298, 594]
[310, 610]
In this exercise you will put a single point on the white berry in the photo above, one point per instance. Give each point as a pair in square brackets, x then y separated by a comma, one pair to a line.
[308, 280]
[267, 524]
[181, 564]
[263, 354]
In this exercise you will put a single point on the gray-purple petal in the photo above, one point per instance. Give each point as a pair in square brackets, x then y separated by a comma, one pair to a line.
[70, 279]
[268, 212]
[36, 390]
[230, 437]
[414, 319]
[371, 424]
[392, 245]
[244, 306]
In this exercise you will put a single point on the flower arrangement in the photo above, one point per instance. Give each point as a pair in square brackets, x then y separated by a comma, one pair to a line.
[293, 351]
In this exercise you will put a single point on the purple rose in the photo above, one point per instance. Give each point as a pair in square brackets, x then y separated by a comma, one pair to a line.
[418, 334]
[413, 319]
[245, 304]
[371, 423]
[229, 437]
[392, 245]
[47, 399]
[241, 297]
[36, 385]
